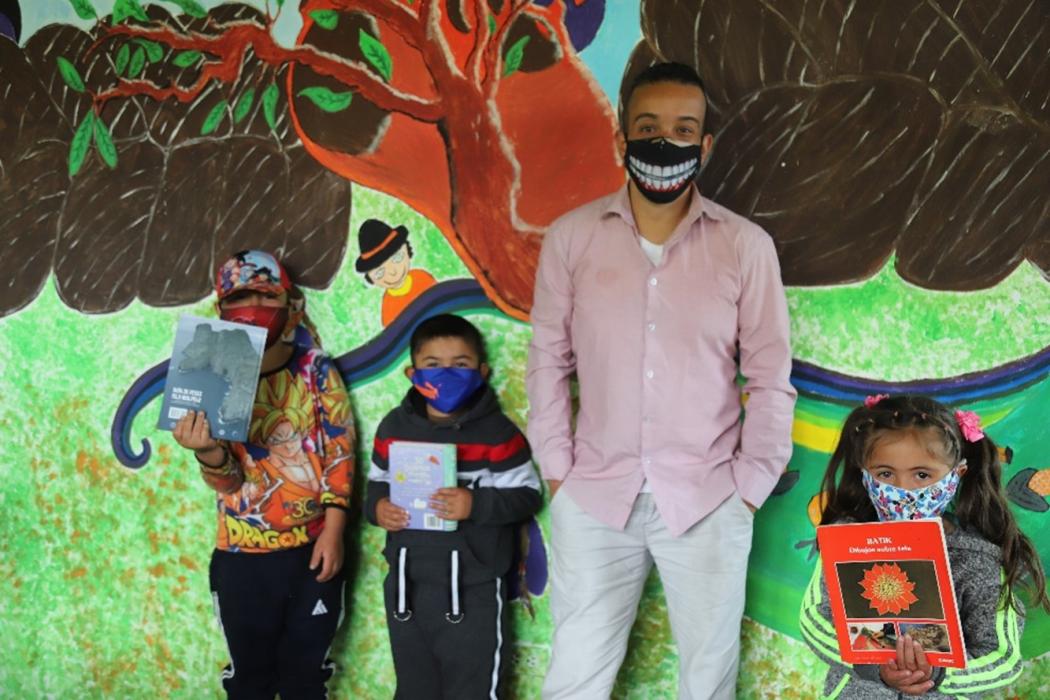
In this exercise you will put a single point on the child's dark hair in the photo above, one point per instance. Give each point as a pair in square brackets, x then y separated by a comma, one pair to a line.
[667, 72]
[979, 506]
[448, 326]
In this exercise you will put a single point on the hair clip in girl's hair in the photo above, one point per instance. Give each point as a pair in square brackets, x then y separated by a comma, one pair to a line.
[873, 401]
[970, 425]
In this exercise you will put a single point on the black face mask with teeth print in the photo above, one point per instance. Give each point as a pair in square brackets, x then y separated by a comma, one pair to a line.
[661, 169]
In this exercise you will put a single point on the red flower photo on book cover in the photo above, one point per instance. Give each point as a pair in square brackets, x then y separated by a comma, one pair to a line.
[888, 588]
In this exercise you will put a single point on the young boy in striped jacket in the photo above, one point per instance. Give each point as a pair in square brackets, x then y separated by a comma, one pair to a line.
[446, 591]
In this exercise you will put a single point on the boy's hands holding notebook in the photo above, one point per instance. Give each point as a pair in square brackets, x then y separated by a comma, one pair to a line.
[452, 503]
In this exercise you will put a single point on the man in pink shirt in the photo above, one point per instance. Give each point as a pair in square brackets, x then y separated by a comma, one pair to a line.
[655, 297]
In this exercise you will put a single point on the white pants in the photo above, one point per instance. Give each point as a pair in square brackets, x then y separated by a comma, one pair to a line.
[597, 575]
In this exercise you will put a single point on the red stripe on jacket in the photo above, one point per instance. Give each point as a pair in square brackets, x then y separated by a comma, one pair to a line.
[468, 451]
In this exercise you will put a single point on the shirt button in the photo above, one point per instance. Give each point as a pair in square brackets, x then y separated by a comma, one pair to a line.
[652, 281]
[652, 326]
[647, 419]
[650, 374]
[648, 460]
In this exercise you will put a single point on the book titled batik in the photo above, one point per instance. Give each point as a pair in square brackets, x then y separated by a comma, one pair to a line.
[889, 579]
[417, 470]
[214, 368]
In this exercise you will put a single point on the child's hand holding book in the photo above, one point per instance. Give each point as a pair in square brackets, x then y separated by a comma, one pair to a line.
[193, 433]
[910, 672]
[452, 503]
[390, 517]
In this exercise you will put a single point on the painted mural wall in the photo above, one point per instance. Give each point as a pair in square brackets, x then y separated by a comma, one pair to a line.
[897, 150]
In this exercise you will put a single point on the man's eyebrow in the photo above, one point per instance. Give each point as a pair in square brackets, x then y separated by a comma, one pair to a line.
[683, 117]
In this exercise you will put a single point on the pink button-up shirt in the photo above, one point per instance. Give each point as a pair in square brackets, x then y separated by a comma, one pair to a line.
[655, 351]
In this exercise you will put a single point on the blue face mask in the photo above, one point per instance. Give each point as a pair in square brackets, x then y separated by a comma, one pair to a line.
[447, 388]
[895, 503]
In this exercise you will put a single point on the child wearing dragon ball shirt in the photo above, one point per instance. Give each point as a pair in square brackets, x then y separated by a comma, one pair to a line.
[276, 573]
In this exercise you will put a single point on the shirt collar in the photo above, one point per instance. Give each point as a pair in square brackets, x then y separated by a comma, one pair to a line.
[620, 205]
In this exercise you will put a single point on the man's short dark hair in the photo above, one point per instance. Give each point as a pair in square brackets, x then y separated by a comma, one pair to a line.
[448, 326]
[667, 72]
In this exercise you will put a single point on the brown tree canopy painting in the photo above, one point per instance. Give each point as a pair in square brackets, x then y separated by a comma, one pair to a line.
[139, 151]
[177, 198]
[852, 129]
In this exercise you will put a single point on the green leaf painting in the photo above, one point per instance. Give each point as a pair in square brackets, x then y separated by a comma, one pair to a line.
[327, 100]
[326, 19]
[244, 106]
[492, 24]
[512, 61]
[123, 55]
[191, 7]
[211, 122]
[154, 51]
[84, 9]
[78, 149]
[269, 103]
[70, 74]
[122, 9]
[104, 144]
[185, 59]
[138, 61]
[376, 54]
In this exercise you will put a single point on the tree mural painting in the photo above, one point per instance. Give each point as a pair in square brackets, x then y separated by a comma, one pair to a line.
[433, 102]
[151, 227]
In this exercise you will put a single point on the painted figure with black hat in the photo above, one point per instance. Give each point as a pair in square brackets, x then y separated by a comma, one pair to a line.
[385, 261]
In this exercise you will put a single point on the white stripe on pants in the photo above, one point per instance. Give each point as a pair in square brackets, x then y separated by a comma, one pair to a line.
[597, 575]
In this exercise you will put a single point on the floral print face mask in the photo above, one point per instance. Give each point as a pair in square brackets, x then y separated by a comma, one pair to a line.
[894, 503]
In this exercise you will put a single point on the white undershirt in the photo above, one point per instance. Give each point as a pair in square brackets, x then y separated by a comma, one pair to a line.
[655, 253]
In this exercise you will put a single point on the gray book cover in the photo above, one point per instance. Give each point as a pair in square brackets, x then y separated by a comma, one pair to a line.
[214, 368]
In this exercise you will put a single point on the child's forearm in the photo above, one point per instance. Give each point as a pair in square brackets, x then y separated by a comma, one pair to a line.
[334, 519]
[213, 457]
[376, 491]
[220, 471]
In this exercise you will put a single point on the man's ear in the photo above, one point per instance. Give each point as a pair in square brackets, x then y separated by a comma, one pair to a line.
[621, 145]
[409, 371]
[705, 147]
[484, 369]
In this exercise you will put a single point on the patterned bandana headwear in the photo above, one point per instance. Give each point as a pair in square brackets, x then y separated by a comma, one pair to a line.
[251, 269]
[259, 271]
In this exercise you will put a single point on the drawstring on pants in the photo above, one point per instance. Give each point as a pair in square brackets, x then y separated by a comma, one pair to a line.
[402, 614]
[455, 615]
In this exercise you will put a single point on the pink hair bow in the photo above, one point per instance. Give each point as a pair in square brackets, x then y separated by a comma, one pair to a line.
[970, 425]
[873, 401]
